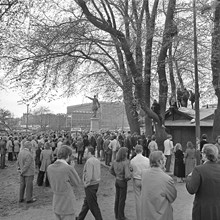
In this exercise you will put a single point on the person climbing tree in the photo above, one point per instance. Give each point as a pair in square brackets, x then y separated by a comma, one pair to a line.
[156, 108]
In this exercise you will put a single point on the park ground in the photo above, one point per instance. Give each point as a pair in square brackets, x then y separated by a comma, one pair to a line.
[10, 209]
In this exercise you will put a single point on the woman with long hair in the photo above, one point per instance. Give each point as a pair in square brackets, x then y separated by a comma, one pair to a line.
[190, 158]
[120, 169]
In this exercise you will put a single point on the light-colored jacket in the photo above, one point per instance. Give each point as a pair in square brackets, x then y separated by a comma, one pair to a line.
[26, 162]
[46, 159]
[158, 192]
[9, 146]
[153, 146]
[91, 172]
[63, 178]
[138, 164]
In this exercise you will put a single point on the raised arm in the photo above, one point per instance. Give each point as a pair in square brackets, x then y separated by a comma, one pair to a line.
[89, 98]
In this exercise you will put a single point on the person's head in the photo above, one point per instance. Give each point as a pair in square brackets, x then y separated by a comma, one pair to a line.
[189, 145]
[122, 154]
[114, 136]
[47, 146]
[204, 137]
[210, 153]
[157, 159]
[65, 153]
[28, 145]
[218, 139]
[169, 136]
[153, 137]
[138, 149]
[90, 151]
[178, 146]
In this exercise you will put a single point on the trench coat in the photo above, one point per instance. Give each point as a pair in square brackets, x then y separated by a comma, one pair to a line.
[157, 194]
[63, 178]
[204, 183]
[46, 159]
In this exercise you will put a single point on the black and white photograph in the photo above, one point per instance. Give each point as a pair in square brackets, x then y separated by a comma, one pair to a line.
[109, 109]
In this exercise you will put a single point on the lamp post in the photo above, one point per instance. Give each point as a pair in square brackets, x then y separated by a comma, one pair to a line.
[197, 113]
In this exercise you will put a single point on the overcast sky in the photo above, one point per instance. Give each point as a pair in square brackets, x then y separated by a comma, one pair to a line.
[9, 99]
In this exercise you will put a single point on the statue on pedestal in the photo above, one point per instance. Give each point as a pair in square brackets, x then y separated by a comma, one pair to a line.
[95, 105]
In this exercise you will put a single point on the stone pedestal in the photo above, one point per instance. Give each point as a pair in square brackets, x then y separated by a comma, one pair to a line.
[94, 124]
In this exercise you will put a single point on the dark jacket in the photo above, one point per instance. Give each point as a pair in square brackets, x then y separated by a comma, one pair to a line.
[204, 183]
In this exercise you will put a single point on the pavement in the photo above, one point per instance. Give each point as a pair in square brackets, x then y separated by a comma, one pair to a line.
[182, 206]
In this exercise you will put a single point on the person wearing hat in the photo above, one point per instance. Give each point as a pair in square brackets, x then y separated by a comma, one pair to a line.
[158, 191]
[204, 182]
[137, 165]
[26, 169]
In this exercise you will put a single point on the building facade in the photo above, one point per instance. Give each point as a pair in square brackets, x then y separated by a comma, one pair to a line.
[111, 116]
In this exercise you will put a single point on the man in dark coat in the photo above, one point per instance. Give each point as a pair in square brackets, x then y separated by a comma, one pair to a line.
[3, 142]
[204, 182]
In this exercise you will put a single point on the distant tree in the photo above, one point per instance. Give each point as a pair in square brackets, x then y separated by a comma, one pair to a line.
[41, 116]
[5, 117]
[122, 46]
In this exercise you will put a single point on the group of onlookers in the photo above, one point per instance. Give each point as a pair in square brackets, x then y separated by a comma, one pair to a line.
[155, 190]
[129, 157]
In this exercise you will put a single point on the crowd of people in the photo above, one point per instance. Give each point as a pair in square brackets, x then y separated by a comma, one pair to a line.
[129, 157]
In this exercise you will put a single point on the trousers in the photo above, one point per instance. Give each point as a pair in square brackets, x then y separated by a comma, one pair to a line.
[137, 195]
[26, 184]
[168, 162]
[90, 203]
[120, 197]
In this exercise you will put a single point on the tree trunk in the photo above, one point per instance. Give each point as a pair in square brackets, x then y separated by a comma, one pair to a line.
[161, 135]
[148, 126]
[150, 27]
[131, 112]
[179, 75]
[215, 61]
[172, 80]
[169, 33]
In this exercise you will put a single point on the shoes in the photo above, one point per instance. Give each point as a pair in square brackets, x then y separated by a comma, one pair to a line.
[31, 201]
[21, 200]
